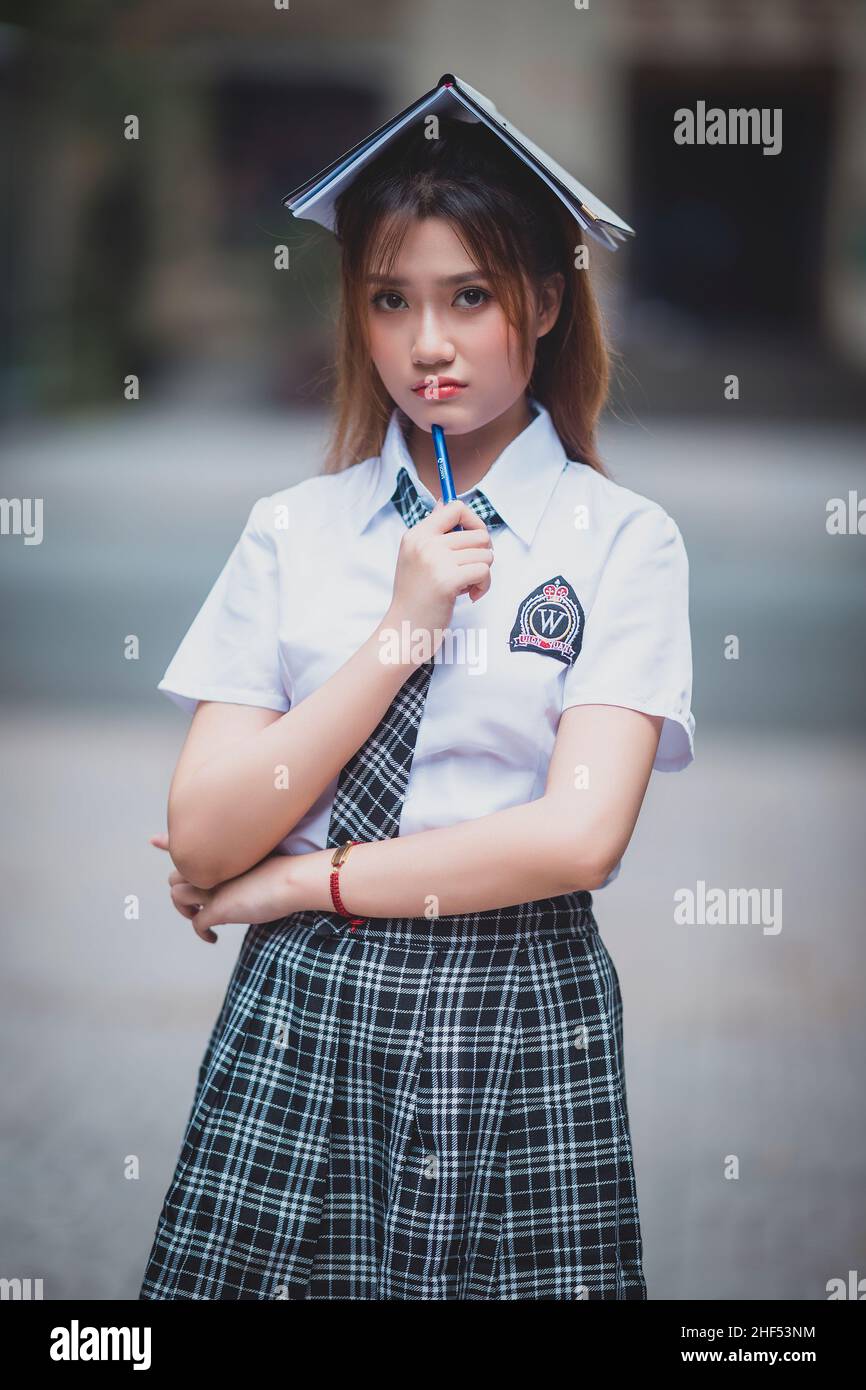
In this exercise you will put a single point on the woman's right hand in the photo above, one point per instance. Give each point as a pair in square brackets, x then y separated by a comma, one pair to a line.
[435, 564]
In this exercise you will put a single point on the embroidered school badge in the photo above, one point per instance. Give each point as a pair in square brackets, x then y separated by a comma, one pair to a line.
[549, 620]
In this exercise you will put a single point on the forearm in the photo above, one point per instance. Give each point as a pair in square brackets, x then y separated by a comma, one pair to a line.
[231, 812]
[512, 856]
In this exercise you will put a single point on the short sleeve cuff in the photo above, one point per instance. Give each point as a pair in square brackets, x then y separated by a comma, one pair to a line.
[187, 698]
[677, 744]
[676, 748]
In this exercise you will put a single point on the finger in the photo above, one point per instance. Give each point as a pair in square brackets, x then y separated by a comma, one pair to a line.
[477, 591]
[460, 540]
[468, 518]
[188, 912]
[450, 514]
[479, 555]
[176, 877]
[202, 928]
[472, 575]
[159, 841]
[183, 905]
[189, 895]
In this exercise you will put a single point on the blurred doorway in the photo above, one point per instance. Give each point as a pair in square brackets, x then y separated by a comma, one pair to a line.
[704, 212]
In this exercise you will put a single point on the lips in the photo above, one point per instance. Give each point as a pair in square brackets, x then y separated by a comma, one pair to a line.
[438, 383]
[440, 394]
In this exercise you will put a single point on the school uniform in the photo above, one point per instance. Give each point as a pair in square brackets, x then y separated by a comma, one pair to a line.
[428, 1108]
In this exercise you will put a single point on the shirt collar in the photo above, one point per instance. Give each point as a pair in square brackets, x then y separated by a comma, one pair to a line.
[519, 482]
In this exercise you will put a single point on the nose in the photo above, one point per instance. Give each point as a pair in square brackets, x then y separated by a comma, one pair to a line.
[431, 346]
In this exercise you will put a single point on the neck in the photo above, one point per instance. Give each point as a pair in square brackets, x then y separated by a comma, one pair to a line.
[470, 455]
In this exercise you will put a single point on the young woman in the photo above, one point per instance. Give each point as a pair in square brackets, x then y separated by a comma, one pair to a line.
[415, 1087]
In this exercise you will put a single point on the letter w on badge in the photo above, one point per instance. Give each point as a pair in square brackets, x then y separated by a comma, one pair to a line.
[550, 620]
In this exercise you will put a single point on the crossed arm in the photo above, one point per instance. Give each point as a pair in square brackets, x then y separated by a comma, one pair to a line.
[569, 838]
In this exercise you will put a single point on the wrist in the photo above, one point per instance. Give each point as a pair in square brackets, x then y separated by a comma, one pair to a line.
[339, 857]
[400, 645]
[311, 878]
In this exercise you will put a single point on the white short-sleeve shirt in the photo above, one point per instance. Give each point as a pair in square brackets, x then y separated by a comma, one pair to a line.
[588, 605]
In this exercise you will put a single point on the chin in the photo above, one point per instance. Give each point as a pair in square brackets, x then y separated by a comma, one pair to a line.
[455, 417]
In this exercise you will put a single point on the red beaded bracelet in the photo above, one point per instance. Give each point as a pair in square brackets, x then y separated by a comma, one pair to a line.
[338, 859]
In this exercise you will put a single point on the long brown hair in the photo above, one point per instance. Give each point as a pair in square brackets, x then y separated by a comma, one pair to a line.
[517, 232]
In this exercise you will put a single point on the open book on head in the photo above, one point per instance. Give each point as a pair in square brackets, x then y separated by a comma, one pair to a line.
[315, 198]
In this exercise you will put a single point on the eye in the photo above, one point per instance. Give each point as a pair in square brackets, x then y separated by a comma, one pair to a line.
[386, 294]
[474, 289]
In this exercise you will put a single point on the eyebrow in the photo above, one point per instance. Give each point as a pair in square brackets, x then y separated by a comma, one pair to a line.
[442, 279]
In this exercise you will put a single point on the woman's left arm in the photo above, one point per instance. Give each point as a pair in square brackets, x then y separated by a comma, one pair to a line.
[570, 838]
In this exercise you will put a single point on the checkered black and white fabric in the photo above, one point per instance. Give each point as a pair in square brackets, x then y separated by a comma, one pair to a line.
[421, 1110]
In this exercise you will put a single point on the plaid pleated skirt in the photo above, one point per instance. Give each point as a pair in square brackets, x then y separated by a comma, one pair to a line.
[413, 1109]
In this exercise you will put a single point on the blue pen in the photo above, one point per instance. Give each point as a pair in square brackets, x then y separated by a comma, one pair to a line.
[444, 466]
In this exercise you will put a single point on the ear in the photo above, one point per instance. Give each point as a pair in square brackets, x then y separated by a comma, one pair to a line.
[549, 303]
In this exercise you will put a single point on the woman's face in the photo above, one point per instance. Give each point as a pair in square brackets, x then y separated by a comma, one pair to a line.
[436, 320]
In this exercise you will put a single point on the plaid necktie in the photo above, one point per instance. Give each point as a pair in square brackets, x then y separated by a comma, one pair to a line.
[372, 785]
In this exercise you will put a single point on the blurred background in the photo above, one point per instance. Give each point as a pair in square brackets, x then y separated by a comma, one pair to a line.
[160, 257]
